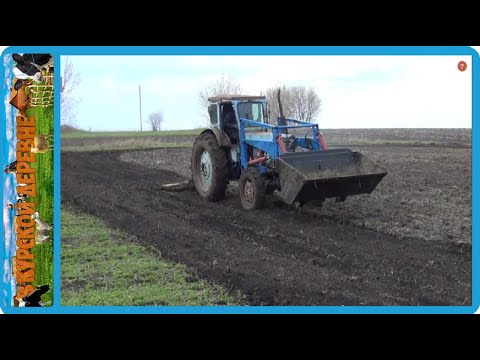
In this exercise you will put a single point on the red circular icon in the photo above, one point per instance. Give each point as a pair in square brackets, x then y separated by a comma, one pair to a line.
[462, 66]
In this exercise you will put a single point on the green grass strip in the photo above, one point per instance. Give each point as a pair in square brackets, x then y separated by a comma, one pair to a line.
[101, 266]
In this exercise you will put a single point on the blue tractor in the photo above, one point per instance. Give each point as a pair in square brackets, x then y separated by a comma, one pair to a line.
[289, 158]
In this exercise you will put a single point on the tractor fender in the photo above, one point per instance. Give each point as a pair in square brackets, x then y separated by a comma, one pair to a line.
[222, 138]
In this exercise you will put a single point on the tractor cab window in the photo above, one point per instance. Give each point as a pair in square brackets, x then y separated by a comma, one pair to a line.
[212, 111]
[251, 111]
[227, 114]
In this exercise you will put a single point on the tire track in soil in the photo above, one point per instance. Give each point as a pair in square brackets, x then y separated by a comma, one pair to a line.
[275, 256]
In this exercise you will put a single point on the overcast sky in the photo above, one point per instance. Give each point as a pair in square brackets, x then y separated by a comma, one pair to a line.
[356, 91]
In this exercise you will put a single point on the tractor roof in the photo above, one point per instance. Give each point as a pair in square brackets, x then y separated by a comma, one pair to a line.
[235, 97]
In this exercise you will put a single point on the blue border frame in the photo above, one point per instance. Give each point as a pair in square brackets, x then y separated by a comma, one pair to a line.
[58, 51]
[56, 187]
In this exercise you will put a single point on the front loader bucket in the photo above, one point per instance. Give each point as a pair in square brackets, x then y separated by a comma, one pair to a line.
[321, 174]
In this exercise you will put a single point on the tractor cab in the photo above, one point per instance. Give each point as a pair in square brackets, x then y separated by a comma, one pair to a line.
[225, 112]
[273, 158]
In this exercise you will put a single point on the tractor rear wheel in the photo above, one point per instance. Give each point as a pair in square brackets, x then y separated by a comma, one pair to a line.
[209, 167]
[252, 189]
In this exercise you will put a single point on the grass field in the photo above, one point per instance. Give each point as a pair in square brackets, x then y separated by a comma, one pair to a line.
[83, 133]
[101, 266]
[44, 200]
[78, 140]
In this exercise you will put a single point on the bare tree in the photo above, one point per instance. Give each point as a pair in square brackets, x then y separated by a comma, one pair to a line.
[155, 120]
[298, 102]
[222, 86]
[69, 100]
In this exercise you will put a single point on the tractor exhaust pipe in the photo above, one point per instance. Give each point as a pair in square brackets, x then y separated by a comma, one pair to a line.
[282, 121]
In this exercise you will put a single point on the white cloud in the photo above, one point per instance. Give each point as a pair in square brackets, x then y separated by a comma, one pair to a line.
[13, 285]
[10, 238]
[9, 124]
[8, 247]
[6, 270]
[9, 184]
[12, 153]
[7, 223]
[9, 109]
[7, 65]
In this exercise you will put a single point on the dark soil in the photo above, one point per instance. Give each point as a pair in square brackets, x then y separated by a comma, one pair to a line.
[427, 193]
[408, 243]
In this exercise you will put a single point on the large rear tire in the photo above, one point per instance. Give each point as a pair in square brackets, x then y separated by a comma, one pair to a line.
[209, 167]
[252, 189]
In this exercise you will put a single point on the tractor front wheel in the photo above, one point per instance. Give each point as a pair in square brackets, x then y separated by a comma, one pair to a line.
[252, 189]
[209, 167]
